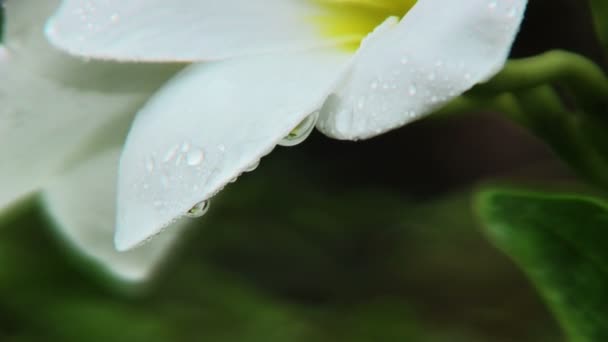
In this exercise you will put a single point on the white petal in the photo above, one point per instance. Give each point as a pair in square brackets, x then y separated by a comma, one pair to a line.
[183, 30]
[52, 103]
[83, 204]
[403, 71]
[208, 125]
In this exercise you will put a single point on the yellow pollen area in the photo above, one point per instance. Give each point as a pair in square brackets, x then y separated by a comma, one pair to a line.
[354, 19]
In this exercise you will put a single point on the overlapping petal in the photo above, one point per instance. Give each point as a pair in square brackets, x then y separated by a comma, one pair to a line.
[405, 70]
[214, 120]
[56, 114]
[184, 30]
[82, 202]
[51, 103]
[209, 124]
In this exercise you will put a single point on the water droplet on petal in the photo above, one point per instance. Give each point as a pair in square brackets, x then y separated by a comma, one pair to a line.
[512, 12]
[361, 103]
[194, 156]
[150, 164]
[412, 90]
[199, 209]
[170, 153]
[252, 167]
[179, 159]
[301, 132]
[164, 181]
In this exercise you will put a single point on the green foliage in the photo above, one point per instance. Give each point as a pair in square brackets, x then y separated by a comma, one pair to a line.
[305, 265]
[562, 98]
[600, 14]
[560, 243]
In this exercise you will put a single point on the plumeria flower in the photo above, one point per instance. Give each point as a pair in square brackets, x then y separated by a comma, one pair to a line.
[62, 125]
[266, 72]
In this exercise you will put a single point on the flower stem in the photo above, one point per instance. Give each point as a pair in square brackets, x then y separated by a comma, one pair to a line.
[580, 77]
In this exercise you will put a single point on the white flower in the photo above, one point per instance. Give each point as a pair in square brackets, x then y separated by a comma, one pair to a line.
[62, 125]
[277, 63]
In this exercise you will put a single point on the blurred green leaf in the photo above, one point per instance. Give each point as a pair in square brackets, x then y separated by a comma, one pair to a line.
[600, 14]
[283, 256]
[560, 241]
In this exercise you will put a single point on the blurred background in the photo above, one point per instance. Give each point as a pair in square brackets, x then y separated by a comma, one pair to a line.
[326, 241]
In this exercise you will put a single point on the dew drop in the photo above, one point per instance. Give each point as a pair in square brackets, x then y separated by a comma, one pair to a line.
[512, 12]
[150, 164]
[179, 159]
[199, 209]
[252, 167]
[3, 54]
[170, 154]
[194, 156]
[412, 90]
[361, 103]
[164, 181]
[301, 132]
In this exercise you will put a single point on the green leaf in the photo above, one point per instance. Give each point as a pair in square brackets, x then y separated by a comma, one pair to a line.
[600, 14]
[560, 242]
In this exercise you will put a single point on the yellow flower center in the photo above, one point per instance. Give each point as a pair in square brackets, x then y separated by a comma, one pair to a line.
[354, 19]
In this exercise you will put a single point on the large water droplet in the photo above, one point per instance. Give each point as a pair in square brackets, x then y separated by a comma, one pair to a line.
[301, 132]
[199, 209]
[252, 167]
